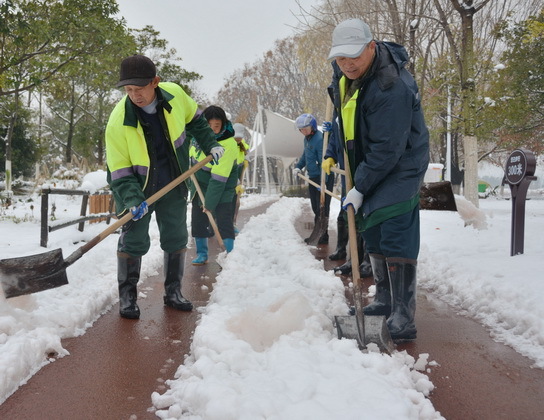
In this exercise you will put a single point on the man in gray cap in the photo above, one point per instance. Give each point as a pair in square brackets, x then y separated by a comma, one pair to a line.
[382, 129]
[147, 147]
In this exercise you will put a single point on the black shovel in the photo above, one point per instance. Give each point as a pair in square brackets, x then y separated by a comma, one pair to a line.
[437, 196]
[36, 273]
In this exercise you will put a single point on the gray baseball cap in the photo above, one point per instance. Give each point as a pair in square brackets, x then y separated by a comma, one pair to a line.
[349, 39]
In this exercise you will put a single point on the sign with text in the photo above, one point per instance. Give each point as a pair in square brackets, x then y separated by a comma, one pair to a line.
[520, 163]
[519, 171]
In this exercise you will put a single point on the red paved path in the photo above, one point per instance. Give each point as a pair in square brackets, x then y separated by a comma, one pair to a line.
[116, 365]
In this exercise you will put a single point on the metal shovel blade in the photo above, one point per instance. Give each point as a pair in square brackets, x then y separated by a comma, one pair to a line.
[375, 331]
[437, 196]
[320, 228]
[33, 273]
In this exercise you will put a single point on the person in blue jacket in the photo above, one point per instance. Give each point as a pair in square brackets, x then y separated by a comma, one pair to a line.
[382, 128]
[311, 160]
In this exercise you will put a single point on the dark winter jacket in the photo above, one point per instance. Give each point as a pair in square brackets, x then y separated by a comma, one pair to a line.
[391, 147]
[217, 181]
[312, 154]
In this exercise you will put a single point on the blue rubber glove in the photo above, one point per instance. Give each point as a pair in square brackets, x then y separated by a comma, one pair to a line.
[353, 198]
[139, 211]
[216, 153]
[327, 126]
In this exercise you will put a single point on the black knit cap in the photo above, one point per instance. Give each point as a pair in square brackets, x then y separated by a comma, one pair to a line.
[136, 70]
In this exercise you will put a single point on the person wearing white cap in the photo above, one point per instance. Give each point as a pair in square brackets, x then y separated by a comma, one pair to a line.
[381, 127]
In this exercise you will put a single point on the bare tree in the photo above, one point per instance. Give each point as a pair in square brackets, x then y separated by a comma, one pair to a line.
[452, 47]
[277, 81]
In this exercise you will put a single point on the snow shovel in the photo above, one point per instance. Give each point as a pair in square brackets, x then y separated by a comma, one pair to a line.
[437, 196]
[36, 273]
[208, 213]
[364, 329]
[322, 224]
[432, 195]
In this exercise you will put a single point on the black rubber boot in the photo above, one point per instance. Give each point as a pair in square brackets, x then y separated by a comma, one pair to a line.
[365, 269]
[340, 253]
[344, 269]
[402, 276]
[324, 240]
[128, 274]
[382, 300]
[174, 267]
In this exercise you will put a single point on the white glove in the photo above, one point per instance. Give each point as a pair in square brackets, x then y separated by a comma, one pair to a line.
[216, 153]
[296, 171]
[353, 198]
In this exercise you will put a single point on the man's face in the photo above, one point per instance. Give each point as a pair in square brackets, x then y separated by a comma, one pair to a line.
[353, 68]
[306, 131]
[142, 95]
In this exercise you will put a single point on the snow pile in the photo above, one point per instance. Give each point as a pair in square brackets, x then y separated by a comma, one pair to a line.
[472, 270]
[265, 346]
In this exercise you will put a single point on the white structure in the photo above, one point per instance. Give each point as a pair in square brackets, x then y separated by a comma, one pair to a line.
[282, 140]
[434, 172]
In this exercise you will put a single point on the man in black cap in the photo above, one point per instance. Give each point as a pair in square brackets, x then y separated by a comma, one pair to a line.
[147, 146]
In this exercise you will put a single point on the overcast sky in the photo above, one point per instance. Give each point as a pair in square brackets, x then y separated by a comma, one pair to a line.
[215, 37]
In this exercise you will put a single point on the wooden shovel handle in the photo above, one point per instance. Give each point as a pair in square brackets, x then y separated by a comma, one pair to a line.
[355, 274]
[328, 115]
[127, 217]
[208, 213]
[309, 181]
[338, 170]
[352, 229]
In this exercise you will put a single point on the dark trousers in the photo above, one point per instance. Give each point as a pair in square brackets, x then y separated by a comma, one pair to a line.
[315, 195]
[200, 224]
[171, 215]
[396, 237]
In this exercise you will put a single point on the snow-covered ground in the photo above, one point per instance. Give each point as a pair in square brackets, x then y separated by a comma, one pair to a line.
[267, 348]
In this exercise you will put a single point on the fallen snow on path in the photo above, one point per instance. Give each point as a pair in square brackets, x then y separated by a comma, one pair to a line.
[265, 346]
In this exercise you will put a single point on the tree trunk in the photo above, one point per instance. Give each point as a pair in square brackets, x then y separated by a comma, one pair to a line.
[464, 57]
[414, 23]
[71, 125]
[468, 94]
[9, 137]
